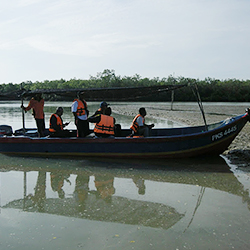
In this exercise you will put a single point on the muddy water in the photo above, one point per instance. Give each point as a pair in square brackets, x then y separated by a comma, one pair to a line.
[112, 204]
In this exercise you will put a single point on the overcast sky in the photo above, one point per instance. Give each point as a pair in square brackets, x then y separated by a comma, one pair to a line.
[53, 39]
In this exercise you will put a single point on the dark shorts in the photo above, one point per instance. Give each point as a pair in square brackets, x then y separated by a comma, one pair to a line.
[82, 128]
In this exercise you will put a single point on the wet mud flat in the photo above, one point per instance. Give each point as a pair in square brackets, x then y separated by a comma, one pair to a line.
[238, 152]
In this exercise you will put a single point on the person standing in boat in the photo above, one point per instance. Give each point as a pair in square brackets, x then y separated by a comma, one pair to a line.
[139, 127]
[56, 125]
[104, 124]
[37, 104]
[80, 111]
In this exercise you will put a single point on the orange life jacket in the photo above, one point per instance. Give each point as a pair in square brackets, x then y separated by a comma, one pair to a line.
[135, 125]
[58, 122]
[105, 188]
[105, 125]
[81, 108]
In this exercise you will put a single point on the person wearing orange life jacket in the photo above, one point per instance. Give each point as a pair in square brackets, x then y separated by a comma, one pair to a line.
[80, 111]
[139, 127]
[56, 126]
[101, 110]
[104, 124]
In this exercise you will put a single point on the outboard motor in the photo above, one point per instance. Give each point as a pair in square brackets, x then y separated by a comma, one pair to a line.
[5, 130]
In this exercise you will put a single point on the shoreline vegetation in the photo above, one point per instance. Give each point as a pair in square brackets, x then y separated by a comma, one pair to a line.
[211, 90]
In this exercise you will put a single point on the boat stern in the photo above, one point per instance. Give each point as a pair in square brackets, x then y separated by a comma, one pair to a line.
[248, 113]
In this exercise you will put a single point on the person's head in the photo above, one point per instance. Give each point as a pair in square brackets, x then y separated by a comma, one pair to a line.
[103, 105]
[59, 111]
[38, 96]
[80, 95]
[108, 111]
[142, 112]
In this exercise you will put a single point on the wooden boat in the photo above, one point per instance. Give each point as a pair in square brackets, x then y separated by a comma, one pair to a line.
[185, 142]
[196, 141]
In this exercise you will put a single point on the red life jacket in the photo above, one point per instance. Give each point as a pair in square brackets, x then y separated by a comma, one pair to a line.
[58, 122]
[135, 125]
[105, 125]
[81, 108]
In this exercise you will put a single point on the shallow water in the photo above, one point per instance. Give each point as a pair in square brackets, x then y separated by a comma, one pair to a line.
[117, 204]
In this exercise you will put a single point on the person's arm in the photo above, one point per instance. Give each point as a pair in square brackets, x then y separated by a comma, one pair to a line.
[95, 114]
[86, 107]
[139, 121]
[76, 117]
[73, 110]
[94, 119]
[30, 106]
[65, 124]
[149, 125]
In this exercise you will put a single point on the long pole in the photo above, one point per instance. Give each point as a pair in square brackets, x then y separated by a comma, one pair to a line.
[197, 94]
[172, 99]
[23, 114]
[172, 95]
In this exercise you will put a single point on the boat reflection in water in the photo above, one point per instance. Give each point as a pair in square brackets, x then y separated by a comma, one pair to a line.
[100, 203]
[157, 195]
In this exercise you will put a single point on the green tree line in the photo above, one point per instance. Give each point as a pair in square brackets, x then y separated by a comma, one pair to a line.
[211, 90]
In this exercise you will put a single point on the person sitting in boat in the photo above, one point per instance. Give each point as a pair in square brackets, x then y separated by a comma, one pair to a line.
[104, 124]
[139, 127]
[80, 111]
[56, 125]
[36, 104]
[101, 110]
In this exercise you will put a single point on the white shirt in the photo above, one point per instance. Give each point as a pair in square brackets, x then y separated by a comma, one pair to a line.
[140, 121]
[74, 109]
